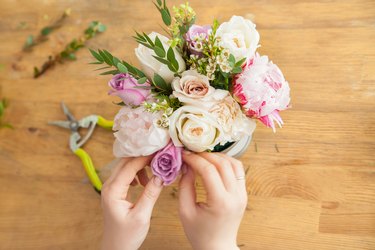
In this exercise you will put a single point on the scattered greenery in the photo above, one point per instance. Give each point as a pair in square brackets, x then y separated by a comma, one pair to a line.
[71, 48]
[117, 66]
[3, 105]
[32, 41]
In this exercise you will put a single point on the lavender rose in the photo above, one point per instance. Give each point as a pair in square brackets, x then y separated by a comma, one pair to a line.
[126, 87]
[196, 36]
[166, 164]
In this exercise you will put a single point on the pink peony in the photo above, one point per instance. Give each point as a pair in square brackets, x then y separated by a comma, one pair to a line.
[166, 164]
[137, 133]
[128, 89]
[262, 91]
[195, 37]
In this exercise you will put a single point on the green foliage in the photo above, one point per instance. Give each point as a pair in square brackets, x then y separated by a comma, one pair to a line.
[3, 105]
[68, 54]
[32, 41]
[116, 65]
[166, 57]
[164, 12]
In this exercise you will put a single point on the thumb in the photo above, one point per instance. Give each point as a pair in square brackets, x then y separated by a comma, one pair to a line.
[149, 196]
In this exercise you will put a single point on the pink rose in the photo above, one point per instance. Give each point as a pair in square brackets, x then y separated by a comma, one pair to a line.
[166, 164]
[262, 91]
[128, 89]
[195, 37]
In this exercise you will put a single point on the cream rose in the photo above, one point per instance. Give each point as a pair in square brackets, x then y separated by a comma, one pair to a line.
[230, 117]
[150, 65]
[137, 133]
[195, 129]
[239, 36]
[194, 89]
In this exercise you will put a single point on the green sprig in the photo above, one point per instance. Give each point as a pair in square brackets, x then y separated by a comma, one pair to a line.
[3, 105]
[71, 48]
[32, 41]
[164, 12]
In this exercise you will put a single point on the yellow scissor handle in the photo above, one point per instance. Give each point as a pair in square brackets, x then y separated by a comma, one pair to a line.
[104, 123]
[90, 169]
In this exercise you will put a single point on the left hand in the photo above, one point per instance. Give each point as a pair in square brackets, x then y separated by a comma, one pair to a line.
[126, 224]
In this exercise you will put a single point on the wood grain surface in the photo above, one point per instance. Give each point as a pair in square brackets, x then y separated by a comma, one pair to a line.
[311, 185]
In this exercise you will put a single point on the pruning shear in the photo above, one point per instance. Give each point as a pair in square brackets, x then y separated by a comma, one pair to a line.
[76, 141]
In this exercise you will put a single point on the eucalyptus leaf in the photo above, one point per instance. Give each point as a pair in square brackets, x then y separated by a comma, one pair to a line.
[142, 80]
[172, 58]
[46, 30]
[122, 68]
[166, 17]
[110, 72]
[101, 27]
[159, 52]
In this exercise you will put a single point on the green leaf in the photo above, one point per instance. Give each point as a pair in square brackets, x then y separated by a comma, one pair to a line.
[172, 58]
[116, 60]
[110, 72]
[159, 44]
[96, 55]
[159, 2]
[72, 56]
[106, 59]
[142, 80]
[148, 39]
[29, 41]
[166, 17]
[240, 62]
[95, 63]
[101, 27]
[160, 84]
[106, 67]
[237, 70]
[159, 52]
[232, 59]
[162, 60]
[122, 68]
[46, 30]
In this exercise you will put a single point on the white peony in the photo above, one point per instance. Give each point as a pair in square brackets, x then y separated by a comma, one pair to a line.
[195, 129]
[229, 115]
[137, 133]
[150, 65]
[239, 36]
[194, 89]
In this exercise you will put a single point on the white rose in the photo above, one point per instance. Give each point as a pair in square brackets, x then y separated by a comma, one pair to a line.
[239, 36]
[137, 133]
[195, 129]
[150, 65]
[194, 89]
[235, 124]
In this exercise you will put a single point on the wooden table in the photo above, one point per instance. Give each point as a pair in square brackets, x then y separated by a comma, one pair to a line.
[311, 185]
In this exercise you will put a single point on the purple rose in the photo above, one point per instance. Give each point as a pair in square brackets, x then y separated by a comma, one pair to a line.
[195, 37]
[126, 87]
[166, 164]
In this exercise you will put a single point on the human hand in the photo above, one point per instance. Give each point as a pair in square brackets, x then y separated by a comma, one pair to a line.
[213, 224]
[126, 224]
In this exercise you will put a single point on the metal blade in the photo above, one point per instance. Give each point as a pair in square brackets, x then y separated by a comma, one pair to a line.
[67, 112]
[63, 124]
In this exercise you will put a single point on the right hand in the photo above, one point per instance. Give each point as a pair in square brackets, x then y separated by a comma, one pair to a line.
[214, 224]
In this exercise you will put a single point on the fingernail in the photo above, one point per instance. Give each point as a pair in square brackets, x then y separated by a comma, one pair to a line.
[158, 182]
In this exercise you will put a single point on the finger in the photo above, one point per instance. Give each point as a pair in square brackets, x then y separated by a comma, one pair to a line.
[238, 170]
[143, 177]
[119, 186]
[224, 167]
[134, 182]
[187, 194]
[211, 178]
[118, 167]
[150, 194]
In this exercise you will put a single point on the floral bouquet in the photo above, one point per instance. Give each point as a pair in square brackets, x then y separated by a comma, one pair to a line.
[200, 88]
